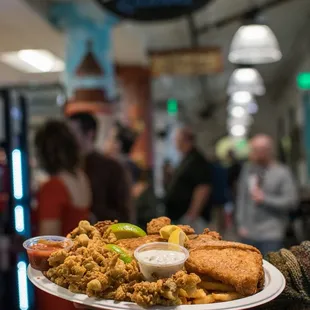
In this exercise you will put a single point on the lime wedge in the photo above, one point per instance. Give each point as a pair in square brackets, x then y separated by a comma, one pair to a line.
[178, 236]
[167, 230]
[123, 255]
[125, 231]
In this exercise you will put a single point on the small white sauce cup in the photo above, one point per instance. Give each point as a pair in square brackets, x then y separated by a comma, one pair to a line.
[153, 271]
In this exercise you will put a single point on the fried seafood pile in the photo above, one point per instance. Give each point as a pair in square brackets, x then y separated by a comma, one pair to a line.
[215, 271]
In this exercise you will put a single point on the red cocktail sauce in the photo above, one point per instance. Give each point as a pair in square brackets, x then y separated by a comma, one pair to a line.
[40, 252]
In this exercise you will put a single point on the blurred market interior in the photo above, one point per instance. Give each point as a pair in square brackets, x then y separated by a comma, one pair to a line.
[228, 70]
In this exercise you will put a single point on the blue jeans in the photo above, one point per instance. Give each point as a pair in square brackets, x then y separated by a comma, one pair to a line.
[265, 246]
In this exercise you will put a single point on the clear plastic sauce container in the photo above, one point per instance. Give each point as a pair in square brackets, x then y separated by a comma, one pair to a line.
[159, 260]
[40, 248]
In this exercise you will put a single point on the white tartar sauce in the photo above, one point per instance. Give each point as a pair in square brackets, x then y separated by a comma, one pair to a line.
[161, 257]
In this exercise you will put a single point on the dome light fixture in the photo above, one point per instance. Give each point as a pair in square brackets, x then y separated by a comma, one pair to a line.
[246, 79]
[238, 130]
[238, 111]
[241, 98]
[254, 44]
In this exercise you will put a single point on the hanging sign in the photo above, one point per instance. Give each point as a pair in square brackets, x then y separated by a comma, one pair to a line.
[152, 10]
[191, 61]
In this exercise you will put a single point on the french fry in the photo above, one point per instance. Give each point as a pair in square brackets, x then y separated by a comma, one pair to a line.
[182, 293]
[216, 286]
[198, 294]
[208, 299]
[226, 296]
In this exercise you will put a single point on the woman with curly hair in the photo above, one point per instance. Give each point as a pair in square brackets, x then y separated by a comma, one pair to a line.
[65, 198]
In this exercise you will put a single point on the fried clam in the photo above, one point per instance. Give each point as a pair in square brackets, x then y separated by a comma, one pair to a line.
[103, 226]
[89, 267]
[133, 243]
[165, 292]
[84, 227]
[155, 225]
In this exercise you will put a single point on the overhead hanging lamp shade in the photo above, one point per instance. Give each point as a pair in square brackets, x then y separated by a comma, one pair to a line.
[254, 44]
[237, 111]
[238, 130]
[246, 79]
[242, 98]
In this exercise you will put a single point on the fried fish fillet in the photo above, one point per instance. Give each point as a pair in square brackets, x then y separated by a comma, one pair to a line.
[232, 263]
[200, 240]
[133, 243]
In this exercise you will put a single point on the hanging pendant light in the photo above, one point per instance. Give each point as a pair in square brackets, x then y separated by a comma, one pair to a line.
[237, 111]
[242, 98]
[254, 44]
[246, 79]
[238, 131]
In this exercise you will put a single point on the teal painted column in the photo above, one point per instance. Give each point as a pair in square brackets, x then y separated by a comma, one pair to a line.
[306, 108]
[83, 23]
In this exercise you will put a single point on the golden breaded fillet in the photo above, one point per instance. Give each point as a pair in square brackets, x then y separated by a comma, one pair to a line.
[155, 225]
[201, 240]
[232, 263]
[133, 243]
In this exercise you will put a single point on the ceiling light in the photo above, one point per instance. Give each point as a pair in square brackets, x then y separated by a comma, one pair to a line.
[238, 130]
[238, 111]
[254, 44]
[241, 98]
[246, 79]
[33, 61]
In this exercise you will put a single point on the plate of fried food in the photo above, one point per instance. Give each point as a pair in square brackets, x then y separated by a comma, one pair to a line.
[115, 265]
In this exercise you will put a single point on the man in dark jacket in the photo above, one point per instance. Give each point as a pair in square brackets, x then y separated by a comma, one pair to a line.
[109, 180]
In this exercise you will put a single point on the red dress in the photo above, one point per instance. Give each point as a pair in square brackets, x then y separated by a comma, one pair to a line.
[55, 202]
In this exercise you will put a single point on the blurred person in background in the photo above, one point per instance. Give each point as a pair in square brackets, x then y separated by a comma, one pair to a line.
[167, 173]
[119, 146]
[189, 188]
[110, 183]
[218, 196]
[65, 198]
[266, 194]
[234, 170]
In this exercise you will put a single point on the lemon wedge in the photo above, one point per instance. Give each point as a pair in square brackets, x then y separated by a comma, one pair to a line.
[125, 231]
[167, 230]
[123, 255]
[178, 236]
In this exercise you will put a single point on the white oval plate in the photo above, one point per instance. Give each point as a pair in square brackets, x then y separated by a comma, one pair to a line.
[274, 285]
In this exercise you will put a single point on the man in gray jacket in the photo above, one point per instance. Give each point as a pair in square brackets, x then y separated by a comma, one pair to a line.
[266, 194]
